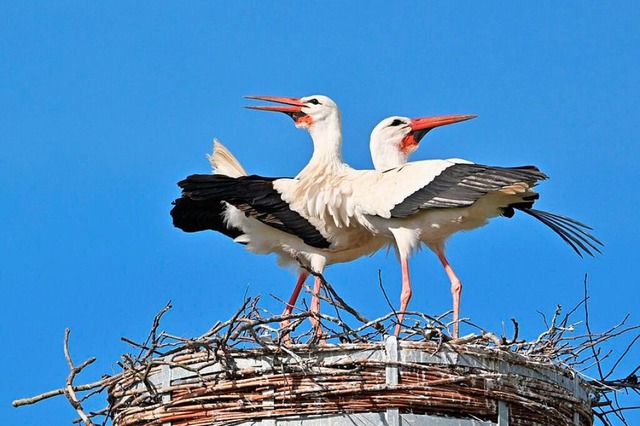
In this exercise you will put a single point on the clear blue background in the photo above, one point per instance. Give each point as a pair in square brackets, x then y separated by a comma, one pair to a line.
[104, 106]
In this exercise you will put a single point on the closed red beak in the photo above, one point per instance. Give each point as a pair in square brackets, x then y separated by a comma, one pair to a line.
[428, 123]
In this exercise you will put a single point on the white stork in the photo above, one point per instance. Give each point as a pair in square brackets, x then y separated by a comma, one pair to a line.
[263, 216]
[433, 199]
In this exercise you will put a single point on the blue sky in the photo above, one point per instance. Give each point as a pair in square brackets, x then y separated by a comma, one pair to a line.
[104, 106]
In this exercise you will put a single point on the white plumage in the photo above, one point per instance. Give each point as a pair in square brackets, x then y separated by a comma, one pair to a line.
[223, 161]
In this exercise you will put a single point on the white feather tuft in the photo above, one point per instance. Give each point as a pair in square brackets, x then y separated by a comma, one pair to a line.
[224, 163]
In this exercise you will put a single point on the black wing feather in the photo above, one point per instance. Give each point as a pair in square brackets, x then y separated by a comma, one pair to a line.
[461, 185]
[256, 197]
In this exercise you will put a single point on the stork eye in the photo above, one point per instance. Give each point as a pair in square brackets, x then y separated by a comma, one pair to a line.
[396, 122]
[314, 101]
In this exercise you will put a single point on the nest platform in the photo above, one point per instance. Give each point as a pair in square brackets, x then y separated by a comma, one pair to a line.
[388, 383]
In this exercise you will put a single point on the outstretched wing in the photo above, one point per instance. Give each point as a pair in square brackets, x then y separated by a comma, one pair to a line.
[461, 185]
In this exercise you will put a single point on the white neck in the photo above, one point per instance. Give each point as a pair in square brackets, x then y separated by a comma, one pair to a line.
[327, 145]
[386, 157]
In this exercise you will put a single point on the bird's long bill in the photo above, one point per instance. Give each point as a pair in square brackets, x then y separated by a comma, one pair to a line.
[424, 123]
[420, 126]
[291, 105]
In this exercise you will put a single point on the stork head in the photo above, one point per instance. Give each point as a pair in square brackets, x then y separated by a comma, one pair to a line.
[305, 112]
[395, 138]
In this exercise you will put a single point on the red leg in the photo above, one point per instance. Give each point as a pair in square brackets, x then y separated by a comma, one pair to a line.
[405, 296]
[296, 292]
[292, 300]
[456, 291]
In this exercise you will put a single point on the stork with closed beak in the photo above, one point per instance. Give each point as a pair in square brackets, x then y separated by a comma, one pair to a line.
[442, 197]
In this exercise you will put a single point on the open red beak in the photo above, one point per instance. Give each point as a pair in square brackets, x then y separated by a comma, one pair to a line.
[292, 107]
[295, 105]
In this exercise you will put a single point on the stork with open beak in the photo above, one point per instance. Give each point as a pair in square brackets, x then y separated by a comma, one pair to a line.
[449, 196]
[296, 214]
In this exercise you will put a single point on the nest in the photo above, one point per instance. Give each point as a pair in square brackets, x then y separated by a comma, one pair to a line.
[257, 367]
[417, 378]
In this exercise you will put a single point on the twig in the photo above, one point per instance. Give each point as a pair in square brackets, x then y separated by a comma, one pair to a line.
[46, 395]
[384, 293]
[341, 303]
[233, 319]
[152, 338]
[69, 391]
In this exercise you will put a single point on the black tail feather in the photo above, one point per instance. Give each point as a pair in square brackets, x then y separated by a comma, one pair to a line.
[576, 228]
[570, 230]
[195, 216]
